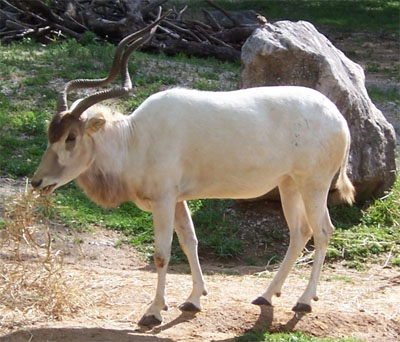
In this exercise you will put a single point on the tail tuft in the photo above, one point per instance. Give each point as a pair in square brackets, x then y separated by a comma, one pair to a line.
[343, 184]
[345, 187]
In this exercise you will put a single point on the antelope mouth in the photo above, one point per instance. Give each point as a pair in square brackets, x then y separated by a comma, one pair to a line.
[47, 190]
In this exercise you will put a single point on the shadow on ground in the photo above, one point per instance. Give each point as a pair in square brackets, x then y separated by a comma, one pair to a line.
[80, 335]
[264, 322]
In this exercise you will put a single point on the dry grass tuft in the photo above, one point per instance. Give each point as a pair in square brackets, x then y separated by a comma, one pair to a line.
[33, 284]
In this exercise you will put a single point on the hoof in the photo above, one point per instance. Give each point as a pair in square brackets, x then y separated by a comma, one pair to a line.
[261, 301]
[149, 321]
[187, 306]
[301, 307]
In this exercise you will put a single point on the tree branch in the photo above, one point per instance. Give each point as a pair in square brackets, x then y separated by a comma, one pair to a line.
[218, 7]
[152, 6]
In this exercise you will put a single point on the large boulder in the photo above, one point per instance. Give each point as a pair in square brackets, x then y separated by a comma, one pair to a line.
[295, 53]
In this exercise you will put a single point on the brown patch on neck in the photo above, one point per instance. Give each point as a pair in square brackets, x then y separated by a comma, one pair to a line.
[107, 190]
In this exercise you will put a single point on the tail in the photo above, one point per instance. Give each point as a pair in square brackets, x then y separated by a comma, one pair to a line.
[343, 183]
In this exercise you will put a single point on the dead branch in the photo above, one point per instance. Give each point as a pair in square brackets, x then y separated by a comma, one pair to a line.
[180, 12]
[152, 6]
[219, 8]
[202, 50]
[114, 19]
[182, 30]
[212, 21]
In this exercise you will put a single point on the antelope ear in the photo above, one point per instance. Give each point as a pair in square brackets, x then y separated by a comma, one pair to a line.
[94, 123]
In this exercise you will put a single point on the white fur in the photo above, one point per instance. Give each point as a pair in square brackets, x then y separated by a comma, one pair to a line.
[185, 144]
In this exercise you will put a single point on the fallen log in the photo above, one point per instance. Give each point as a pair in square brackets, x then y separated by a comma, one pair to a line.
[114, 19]
[196, 49]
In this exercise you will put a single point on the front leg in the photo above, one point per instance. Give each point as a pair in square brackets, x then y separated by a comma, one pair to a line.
[187, 238]
[163, 220]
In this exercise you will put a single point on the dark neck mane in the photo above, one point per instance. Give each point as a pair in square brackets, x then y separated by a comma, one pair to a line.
[107, 190]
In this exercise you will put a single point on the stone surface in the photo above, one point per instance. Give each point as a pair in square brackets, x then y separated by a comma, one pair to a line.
[295, 53]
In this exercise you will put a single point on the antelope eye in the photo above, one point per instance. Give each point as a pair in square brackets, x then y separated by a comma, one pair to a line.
[71, 137]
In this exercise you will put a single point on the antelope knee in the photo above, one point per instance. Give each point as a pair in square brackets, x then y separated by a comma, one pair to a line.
[159, 260]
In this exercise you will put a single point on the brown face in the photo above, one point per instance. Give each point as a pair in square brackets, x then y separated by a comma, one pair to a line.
[70, 150]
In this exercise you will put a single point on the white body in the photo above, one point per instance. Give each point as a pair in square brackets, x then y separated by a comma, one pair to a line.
[233, 145]
[185, 144]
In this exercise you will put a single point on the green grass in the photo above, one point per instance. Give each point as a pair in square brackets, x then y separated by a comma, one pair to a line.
[362, 235]
[28, 80]
[29, 73]
[206, 85]
[263, 336]
[350, 15]
[345, 279]
[27, 99]
[28, 95]
[381, 95]
[216, 230]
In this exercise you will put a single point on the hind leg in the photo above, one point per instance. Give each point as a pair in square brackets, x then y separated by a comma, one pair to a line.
[300, 233]
[322, 229]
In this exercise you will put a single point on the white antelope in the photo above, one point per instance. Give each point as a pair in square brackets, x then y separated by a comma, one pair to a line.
[183, 144]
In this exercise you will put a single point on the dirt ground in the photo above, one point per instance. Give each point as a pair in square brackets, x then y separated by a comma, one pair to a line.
[119, 285]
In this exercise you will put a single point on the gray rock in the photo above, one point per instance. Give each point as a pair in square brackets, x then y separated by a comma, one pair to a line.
[295, 53]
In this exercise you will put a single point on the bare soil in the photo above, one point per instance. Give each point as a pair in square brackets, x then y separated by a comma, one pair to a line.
[119, 284]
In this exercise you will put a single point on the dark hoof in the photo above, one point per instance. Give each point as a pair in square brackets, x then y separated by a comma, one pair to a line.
[149, 321]
[187, 306]
[301, 307]
[261, 301]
